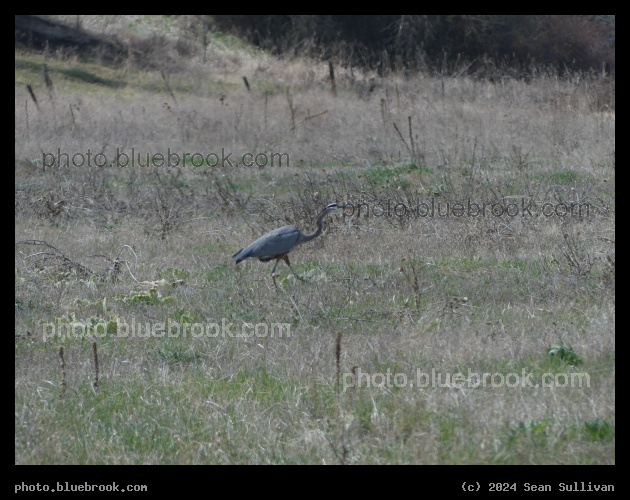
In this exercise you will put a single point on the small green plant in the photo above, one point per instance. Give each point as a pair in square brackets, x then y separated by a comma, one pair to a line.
[598, 430]
[565, 353]
[536, 433]
[564, 177]
[174, 352]
[174, 273]
[186, 316]
[110, 325]
[152, 296]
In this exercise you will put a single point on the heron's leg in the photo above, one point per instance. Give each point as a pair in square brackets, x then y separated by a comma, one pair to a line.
[286, 259]
[273, 271]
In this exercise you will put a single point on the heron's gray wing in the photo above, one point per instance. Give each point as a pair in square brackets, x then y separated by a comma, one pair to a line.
[272, 244]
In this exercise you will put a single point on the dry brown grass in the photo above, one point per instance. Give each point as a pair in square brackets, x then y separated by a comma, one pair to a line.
[454, 294]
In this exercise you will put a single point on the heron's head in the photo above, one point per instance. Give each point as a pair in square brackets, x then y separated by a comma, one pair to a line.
[337, 207]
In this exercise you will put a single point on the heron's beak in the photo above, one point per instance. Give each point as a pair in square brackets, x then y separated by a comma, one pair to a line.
[344, 209]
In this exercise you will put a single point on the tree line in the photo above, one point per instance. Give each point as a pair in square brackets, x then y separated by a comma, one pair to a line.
[393, 43]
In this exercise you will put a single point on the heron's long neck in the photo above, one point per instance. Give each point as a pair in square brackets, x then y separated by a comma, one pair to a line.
[320, 228]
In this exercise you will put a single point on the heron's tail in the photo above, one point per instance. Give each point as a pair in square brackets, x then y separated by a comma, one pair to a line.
[235, 256]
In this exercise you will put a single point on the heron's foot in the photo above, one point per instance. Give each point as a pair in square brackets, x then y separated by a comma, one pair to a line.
[298, 276]
[273, 276]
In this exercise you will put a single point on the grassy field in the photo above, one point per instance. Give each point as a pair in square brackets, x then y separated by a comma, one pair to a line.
[483, 258]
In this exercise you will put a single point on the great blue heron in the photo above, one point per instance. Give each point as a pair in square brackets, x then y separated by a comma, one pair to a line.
[278, 243]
